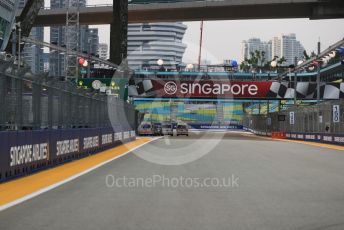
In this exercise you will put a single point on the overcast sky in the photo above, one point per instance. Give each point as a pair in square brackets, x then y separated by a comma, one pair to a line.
[222, 39]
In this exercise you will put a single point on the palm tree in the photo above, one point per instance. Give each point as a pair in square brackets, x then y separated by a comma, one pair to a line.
[255, 62]
[281, 61]
[305, 55]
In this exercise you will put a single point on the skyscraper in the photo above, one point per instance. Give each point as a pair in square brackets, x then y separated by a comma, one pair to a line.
[286, 45]
[92, 41]
[149, 42]
[255, 44]
[103, 51]
[32, 55]
[7, 13]
[57, 37]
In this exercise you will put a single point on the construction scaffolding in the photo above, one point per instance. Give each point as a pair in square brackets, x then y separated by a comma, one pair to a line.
[72, 39]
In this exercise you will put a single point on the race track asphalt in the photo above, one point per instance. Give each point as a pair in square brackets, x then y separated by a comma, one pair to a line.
[274, 185]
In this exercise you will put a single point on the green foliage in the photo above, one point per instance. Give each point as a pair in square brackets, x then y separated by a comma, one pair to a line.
[258, 62]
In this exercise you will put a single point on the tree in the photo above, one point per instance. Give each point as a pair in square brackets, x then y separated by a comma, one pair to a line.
[255, 62]
[281, 61]
[305, 55]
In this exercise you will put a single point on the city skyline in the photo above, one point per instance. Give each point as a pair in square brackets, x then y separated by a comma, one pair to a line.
[219, 45]
[222, 39]
[281, 46]
[227, 45]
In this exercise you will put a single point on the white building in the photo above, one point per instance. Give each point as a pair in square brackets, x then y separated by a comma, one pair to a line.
[103, 50]
[255, 44]
[149, 42]
[286, 45]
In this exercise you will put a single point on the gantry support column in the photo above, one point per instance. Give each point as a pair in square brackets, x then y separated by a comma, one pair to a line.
[119, 31]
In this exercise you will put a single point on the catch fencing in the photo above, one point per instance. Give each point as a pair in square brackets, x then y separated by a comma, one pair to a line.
[326, 117]
[31, 102]
[46, 121]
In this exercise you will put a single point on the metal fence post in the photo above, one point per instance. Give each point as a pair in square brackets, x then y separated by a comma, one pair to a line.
[50, 106]
[19, 104]
[3, 104]
[36, 104]
[68, 110]
[60, 103]
[318, 96]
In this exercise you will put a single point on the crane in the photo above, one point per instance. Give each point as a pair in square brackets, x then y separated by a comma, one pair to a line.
[200, 46]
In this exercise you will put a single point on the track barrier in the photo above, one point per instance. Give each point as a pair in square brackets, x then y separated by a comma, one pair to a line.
[25, 152]
[278, 135]
[326, 138]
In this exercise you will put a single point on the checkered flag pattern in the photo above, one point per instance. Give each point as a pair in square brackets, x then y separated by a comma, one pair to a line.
[140, 88]
[306, 90]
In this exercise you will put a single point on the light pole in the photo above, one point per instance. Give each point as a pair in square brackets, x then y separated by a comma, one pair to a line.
[318, 94]
[318, 84]
[295, 82]
[19, 41]
[273, 64]
[295, 87]
[89, 58]
[160, 63]
[254, 74]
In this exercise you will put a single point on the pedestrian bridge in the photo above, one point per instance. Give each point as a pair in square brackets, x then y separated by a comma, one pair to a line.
[162, 10]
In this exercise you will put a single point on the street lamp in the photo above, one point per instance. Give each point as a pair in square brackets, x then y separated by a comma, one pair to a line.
[189, 67]
[254, 74]
[160, 62]
[273, 64]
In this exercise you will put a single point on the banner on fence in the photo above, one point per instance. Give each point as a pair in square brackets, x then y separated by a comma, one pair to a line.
[213, 126]
[24, 151]
[233, 89]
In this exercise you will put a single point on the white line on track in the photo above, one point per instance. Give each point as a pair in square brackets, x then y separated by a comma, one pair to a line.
[53, 186]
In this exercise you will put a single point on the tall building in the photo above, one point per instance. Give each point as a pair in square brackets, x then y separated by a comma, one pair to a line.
[92, 41]
[255, 44]
[57, 37]
[46, 63]
[149, 42]
[103, 50]
[7, 13]
[286, 45]
[276, 47]
[32, 55]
